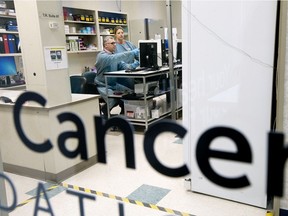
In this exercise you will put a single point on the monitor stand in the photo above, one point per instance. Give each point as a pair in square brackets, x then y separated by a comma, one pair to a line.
[8, 80]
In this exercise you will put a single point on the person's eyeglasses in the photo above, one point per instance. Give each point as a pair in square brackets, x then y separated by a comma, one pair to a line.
[113, 43]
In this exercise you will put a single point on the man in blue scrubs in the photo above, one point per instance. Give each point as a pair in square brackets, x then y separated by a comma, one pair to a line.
[107, 61]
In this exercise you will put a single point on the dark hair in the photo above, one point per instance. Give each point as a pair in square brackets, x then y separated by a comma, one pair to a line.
[117, 28]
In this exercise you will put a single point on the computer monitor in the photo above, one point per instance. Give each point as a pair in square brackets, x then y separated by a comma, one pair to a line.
[165, 53]
[179, 51]
[150, 53]
[7, 68]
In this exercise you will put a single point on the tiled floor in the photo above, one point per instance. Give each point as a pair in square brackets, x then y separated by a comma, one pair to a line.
[126, 192]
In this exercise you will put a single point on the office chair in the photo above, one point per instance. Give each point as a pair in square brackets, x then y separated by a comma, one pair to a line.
[91, 86]
[77, 83]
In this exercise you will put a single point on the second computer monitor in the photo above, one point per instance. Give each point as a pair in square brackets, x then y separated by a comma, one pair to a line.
[179, 51]
[7, 66]
[150, 53]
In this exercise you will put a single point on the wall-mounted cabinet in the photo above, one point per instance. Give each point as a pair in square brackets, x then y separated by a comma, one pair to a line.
[11, 67]
[85, 30]
[9, 37]
[108, 20]
[80, 30]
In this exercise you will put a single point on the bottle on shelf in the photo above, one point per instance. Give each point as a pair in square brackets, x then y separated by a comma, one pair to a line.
[65, 14]
[67, 45]
[80, 35]
[87, 19]
[76, 17]
[70, 17]
[91, 19]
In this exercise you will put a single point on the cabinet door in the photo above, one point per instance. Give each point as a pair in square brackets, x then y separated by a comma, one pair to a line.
[9, 38]
[11, 67]
[107, 21]
[80, 30]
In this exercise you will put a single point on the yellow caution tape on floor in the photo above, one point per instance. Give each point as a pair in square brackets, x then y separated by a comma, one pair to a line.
[125, 199]
[112, 196]
[269, 213]
[34, 197]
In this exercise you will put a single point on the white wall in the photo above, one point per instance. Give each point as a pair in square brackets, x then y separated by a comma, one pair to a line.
[92, 5]
[38, 76]
[227, 80]
[157, 16]
[145, 9]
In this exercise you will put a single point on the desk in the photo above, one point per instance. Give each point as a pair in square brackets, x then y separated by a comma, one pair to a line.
[15, 87]
[39, 124]
[144, 75]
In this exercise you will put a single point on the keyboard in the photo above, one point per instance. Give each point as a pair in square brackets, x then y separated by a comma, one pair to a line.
[136, 69]
[11, 85]
[133, 96]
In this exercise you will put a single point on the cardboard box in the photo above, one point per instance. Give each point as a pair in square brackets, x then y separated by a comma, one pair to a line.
[151, 88]
[135, 109]
[156, 113]
[179, 98]
[160, 102]
[66, 29]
